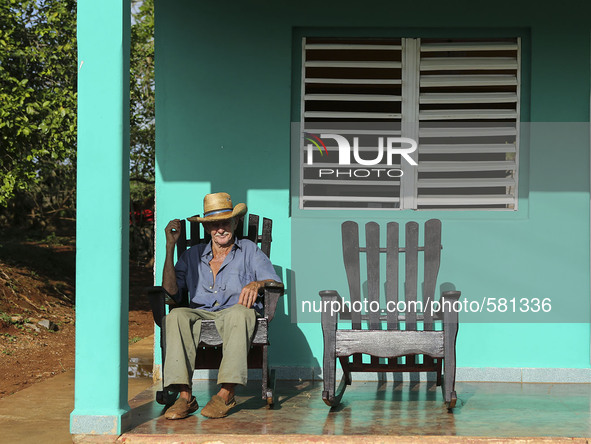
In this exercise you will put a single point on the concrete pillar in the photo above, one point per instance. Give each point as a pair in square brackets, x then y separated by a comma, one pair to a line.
[102, 236]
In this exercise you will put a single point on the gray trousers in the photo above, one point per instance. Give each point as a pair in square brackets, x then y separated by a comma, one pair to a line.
[183, 328]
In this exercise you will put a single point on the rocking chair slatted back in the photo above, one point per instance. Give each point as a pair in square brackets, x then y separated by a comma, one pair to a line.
[431, 254]
[196, 237]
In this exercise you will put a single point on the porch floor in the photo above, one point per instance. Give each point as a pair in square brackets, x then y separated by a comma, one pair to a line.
[371, 412]
[376, 412]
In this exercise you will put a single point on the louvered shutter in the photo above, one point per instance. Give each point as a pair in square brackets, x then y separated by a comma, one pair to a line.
[351, 88]
[469, 124]
[458, 98]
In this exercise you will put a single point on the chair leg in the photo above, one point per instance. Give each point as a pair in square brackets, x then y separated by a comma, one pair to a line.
[330, 396]
[164, 397]
[271, 387]
[329, 328]
[439, 371]
[449, 364]
[346, 373]
[268, 382]
[328, 376]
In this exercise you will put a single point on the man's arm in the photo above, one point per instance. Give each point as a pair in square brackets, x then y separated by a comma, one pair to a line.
[250, 292]
[261, 268]
[173, 232]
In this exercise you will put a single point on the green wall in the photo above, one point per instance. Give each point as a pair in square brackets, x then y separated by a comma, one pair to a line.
[227, 88]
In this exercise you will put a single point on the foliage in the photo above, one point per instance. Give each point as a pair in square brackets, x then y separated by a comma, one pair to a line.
[142, 120]
[38, 66]
[38, 104]
[142, 97]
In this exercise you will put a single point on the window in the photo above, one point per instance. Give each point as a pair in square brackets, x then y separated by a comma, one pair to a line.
[364, 103]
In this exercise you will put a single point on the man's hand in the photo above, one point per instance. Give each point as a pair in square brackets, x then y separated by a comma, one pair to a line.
[173, 231]
[249, 293]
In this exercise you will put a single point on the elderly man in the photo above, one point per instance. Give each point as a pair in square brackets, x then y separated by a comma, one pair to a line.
[223, 278]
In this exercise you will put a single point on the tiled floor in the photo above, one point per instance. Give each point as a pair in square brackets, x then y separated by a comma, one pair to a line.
[371, 412]
[372, 409]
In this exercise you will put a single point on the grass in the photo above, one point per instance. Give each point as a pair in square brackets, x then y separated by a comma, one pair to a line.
[9, 337]
[6, 319]
[135, 339]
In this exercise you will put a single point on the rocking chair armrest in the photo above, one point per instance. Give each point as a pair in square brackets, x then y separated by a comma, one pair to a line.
[453, 295]
[159, 298]
[330, 294]
[330, 297]
[272, 291]
[160, 292]
[446, 312]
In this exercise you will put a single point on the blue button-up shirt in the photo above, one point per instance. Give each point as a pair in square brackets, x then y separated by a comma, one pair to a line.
[244, 264]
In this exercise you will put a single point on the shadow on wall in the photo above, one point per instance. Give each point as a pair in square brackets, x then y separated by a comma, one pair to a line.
[290, 346]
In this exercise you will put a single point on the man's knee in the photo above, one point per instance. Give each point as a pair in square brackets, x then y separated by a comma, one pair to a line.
[238, 313]
[237, 317]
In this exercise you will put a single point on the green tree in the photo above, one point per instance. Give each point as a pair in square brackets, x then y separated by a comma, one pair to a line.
[142, 105]
[38, 101]
[142, 120]
[38, 109]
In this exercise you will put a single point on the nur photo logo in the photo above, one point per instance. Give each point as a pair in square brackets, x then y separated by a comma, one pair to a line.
[385, 149]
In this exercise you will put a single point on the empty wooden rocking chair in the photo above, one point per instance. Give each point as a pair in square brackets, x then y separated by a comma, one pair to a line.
[426, 326]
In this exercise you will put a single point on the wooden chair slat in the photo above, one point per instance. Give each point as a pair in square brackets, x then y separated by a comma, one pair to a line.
[181, 244]
[372, 247]
[181, 247]
[195, 229]
[239, 231]
[411, 272]
[266, 236]
[253, 227]
[350, 232]
[432, 257]
[392, 263]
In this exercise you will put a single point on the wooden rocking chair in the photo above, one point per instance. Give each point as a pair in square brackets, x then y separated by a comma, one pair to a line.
[210, 354]
[402, 336]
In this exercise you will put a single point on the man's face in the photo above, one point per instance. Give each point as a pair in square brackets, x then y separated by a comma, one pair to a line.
[222, 232]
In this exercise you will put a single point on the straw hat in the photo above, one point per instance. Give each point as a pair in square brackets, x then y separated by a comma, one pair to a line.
[218, 206]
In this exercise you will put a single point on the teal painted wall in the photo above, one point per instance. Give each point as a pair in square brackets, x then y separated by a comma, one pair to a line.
[227, 88]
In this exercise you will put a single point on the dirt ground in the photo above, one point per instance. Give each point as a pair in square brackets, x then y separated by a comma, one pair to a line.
[37, 284]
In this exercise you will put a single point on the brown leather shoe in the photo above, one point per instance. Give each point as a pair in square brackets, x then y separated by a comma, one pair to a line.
[217, 408]
[181, 408]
